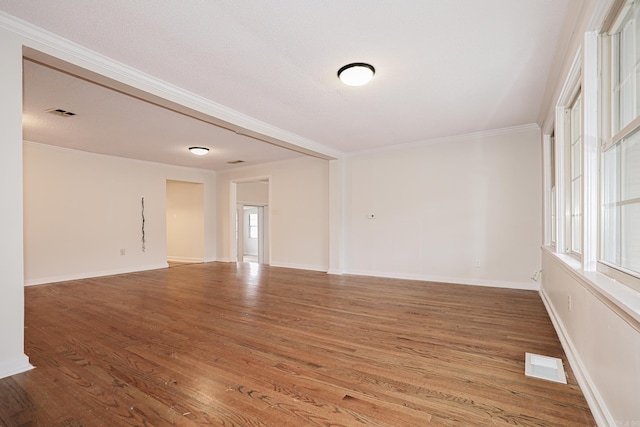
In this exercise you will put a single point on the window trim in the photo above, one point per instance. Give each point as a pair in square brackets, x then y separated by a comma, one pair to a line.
[609, 58]
[550, 188]
[570, 178]
[626, 132]
[565, 166]
[619, 274]
[621, 298]
[569, 91]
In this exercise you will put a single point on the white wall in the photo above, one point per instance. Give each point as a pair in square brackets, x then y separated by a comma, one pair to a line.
[81, 209]
[12, 357]
[185, 221]
[253, 193]
[601, 341]
[298, 203]
[441, 209]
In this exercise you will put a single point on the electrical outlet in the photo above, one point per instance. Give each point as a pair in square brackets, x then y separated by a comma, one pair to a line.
[477, 263]
[123, 251]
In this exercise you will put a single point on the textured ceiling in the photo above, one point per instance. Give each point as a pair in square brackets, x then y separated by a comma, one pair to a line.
[443, 67]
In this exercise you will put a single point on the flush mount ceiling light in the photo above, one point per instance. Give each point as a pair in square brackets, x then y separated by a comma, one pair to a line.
[356, 74]
[199, 151]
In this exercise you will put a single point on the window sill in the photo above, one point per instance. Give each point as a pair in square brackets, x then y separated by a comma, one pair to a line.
[622, 299]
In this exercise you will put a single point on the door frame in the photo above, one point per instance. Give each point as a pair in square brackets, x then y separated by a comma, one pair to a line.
[263, 221]
[236, 221]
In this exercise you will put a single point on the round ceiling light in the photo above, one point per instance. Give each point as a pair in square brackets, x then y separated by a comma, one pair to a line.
[356, 74]
[199, 151]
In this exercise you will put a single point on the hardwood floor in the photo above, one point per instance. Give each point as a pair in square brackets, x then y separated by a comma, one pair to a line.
[247, 345]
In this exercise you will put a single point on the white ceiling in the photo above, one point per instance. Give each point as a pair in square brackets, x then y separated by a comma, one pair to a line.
[109, 122]
[443, 68]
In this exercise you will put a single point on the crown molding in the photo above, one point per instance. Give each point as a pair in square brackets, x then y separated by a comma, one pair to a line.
[49, 48]
[448, 139]
[605, 14]
[77, 152]
[259, 166]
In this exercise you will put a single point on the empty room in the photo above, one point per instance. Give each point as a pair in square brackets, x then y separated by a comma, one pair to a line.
[295, 213]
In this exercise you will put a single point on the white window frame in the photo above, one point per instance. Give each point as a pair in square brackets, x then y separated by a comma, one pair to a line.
[582, 80]
[549, 202]
[574, 146]
[613, 135]
[562, 133]
[552, 186]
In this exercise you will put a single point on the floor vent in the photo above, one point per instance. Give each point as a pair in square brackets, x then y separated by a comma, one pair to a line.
[545, 368]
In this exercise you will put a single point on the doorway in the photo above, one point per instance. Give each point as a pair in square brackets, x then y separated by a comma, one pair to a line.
[185, 222]
[251, 237]
[252, 247]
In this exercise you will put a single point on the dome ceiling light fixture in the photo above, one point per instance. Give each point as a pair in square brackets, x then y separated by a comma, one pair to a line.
[199, 151]
[356, 74]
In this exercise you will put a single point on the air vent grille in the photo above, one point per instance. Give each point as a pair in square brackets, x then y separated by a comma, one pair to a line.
[544, 367]
[60, 112]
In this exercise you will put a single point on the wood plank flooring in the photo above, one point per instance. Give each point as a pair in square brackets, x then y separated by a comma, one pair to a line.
[245, 345]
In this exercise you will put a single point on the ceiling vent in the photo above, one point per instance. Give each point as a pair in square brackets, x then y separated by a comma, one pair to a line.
[235, 162]
[60, 112]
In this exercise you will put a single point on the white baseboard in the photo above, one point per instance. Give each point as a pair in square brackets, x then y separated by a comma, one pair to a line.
[225, 260]
[597, 405]
[14, 366]
[185, 259]
[299, 266]
[533, 286]
[88, 275]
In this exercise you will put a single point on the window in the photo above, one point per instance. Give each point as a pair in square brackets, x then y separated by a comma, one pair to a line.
[621, 205]
[575, 176]
[625, 55]
[253, 226]
[554, 216]
[620, 156]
